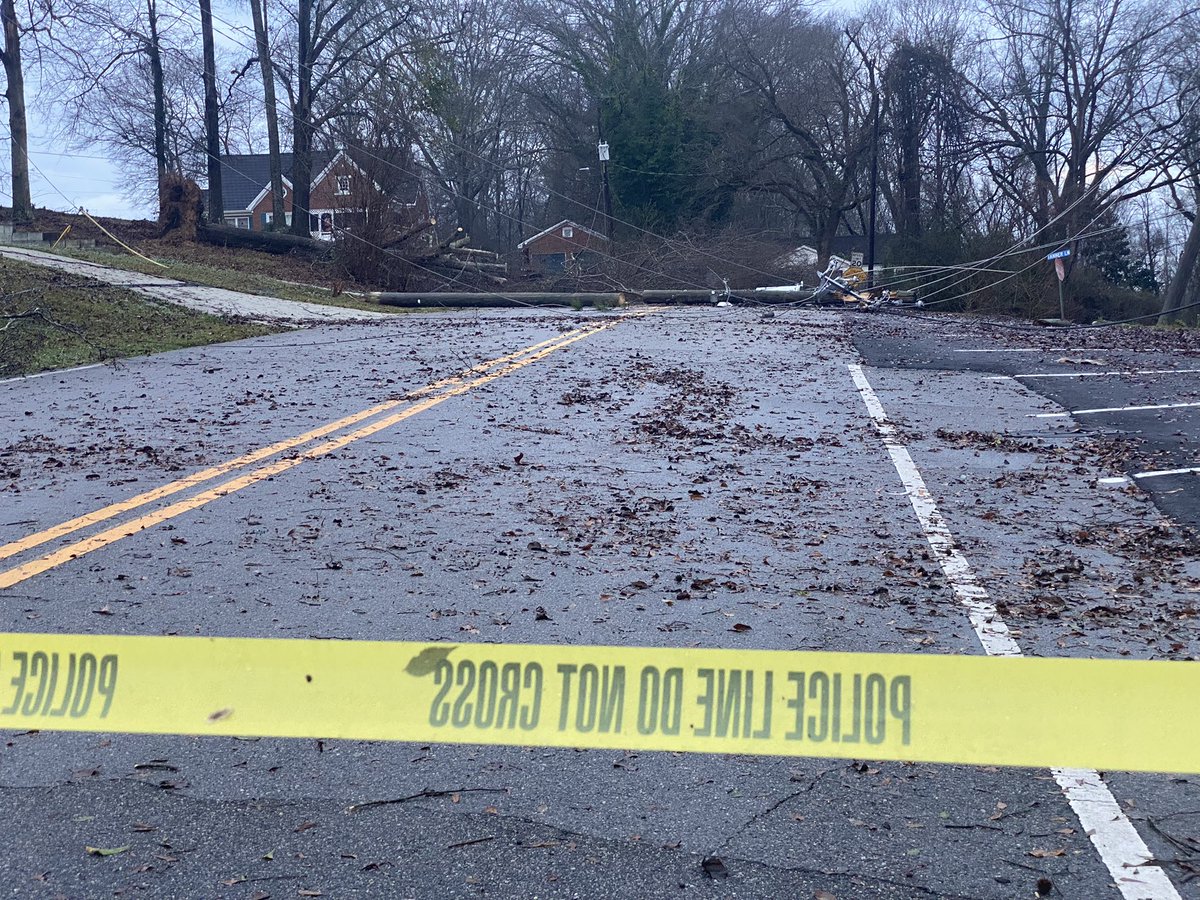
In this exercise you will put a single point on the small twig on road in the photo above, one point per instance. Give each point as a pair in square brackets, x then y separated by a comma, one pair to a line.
[482, 840]
[1036, 869]
[1016, 812]
[424, 795]
[1187, 845]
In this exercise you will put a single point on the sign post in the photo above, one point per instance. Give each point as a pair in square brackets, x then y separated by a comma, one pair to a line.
[1060, 268]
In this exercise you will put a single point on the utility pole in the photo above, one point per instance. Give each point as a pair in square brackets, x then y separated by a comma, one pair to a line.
[874, 184]
[869, 62]
[602, 147]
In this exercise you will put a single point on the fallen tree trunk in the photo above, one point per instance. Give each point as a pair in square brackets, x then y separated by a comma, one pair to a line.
[277, 242]
[453, 271]
[450, 262]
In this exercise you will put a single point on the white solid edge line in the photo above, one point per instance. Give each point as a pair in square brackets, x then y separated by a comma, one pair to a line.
[1118, 843]
[1112, 409]
[1161, 472]
[1094, 374]
[51, 372]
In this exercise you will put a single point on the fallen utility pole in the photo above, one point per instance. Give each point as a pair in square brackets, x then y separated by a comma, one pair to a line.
[685, 296]
[435, 299]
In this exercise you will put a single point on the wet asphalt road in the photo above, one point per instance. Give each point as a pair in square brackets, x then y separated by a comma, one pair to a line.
[682, 472]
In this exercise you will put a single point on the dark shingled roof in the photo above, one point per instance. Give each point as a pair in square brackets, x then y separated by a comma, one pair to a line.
[244, 175]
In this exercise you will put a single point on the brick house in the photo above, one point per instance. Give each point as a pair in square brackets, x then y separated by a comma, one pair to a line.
[562, 247]
[342, 193]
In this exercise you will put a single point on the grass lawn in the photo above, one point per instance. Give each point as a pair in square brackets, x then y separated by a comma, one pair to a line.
[53, 320]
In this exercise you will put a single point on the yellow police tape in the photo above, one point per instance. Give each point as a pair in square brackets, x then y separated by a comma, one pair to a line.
[1106, 714]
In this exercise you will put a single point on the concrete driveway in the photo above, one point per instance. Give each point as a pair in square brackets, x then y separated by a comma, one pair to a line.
[217, 301]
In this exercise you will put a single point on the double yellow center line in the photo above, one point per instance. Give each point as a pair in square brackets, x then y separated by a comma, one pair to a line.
[416, 402]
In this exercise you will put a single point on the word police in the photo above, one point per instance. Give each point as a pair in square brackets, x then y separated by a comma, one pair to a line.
[58, 684]
[717, 703]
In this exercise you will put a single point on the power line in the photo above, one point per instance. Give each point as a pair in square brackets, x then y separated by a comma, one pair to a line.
[1015, 248]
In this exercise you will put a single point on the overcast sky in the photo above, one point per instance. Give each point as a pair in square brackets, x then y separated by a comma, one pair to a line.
[63, 180]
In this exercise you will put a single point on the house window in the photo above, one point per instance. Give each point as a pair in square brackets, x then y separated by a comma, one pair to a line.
[239, 222]
[343, 185]
[287, 217]
[321, 224]
[568, 232]
[267, 218]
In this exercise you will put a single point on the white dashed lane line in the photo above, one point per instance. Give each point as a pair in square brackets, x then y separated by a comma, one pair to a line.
[1111, 409]
[1094, 374]
[1113, 835]
[1195, 470]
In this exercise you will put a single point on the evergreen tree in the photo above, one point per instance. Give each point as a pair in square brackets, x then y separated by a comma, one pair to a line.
[1111, 254]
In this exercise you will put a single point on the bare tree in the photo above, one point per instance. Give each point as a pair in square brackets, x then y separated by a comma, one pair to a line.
[14, 92]
[1186, 271]
[334, 40]
[1185, 76]
[814, 91]
[113, 79]
[258, 10]
[1075, 101]
[212, 117]
[459, 90]
[130, 79]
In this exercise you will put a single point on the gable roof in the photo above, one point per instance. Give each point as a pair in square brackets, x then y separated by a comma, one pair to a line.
[543, 233]
[246, 177]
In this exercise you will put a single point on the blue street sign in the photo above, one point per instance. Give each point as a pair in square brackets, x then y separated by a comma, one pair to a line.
[1059, 254]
